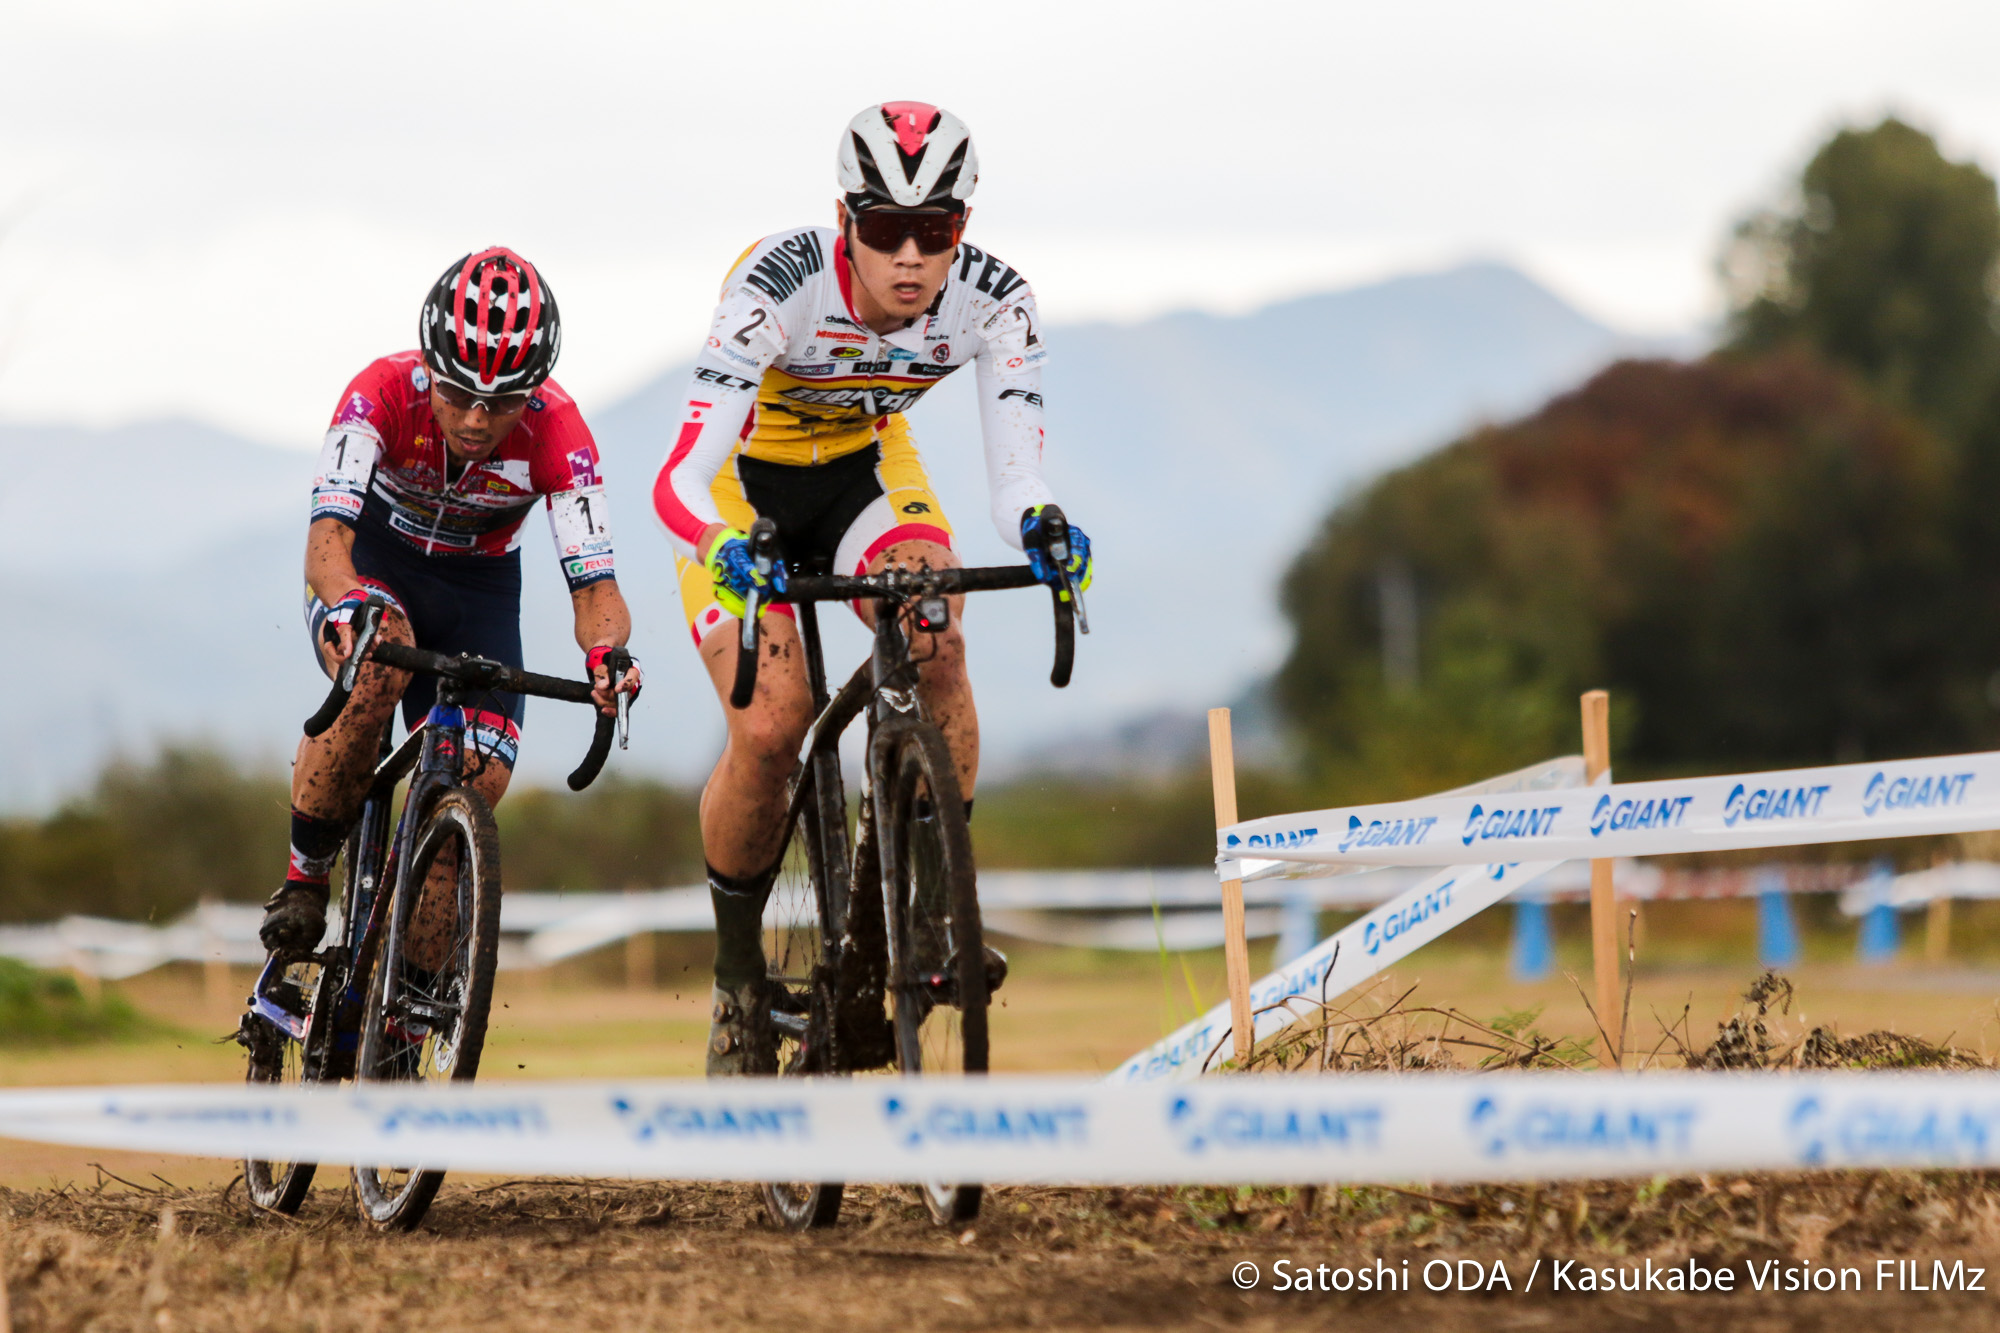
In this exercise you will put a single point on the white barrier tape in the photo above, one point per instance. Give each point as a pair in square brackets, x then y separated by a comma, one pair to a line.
[1363, 1128]
[1337, 964]
[1841, 803]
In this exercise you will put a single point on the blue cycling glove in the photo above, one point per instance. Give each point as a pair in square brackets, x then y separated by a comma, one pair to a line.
[1035, 541]
[735, 574]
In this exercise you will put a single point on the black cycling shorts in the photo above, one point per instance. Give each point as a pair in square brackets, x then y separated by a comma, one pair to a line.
[455, 604]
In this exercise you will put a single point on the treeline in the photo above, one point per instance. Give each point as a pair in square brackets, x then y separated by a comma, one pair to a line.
[1788, 552]
[153, 839]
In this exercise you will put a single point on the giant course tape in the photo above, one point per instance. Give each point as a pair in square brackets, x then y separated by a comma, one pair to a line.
[1361, 1128]
[1841, 803]
[1337, 964]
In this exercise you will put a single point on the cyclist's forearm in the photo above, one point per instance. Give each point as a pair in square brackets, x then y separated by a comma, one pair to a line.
[602, 619]
[330, 560]
[1010, 427]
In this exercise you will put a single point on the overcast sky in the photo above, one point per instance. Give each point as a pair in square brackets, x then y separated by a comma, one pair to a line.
[224, 209]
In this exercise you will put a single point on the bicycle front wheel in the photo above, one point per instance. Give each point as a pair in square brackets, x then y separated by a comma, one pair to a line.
[433, 989]
[938, 985]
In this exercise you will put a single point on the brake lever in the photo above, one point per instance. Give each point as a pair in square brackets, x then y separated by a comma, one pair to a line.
[364, 639]
[619, 662]
[1076, 599]
[1059, 557]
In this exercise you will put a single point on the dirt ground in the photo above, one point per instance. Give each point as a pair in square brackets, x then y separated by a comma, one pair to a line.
[597, 1255]
[83, 1250]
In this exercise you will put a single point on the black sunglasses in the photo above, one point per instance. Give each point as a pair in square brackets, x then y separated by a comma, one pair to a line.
[885, 230]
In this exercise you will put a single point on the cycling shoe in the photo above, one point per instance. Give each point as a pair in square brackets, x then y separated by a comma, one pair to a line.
[740, 1039]
[294, 918]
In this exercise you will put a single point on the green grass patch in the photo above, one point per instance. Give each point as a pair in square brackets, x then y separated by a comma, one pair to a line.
[40, 1008]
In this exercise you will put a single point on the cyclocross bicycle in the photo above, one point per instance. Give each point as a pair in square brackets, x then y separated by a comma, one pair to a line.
[335, 1014]
[876, 958]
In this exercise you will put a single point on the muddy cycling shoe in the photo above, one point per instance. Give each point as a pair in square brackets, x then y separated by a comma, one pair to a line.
[294, 918]
[740, 1040]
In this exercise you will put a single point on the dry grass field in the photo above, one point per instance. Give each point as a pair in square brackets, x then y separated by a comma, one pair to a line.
[95, 1240]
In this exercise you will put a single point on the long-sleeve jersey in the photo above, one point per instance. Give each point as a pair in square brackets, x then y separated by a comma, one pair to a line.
[790, 375]
[385, 465]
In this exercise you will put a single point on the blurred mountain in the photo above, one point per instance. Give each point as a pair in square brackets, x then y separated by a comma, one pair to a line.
[150, 574]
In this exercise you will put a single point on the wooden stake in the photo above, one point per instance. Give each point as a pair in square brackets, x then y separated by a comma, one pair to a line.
[214, 969]
[1235, 944]
[1937, 930]
[1603, 898]
[638, 958]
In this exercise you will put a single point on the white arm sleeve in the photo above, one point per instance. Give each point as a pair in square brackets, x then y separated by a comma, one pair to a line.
[745, 337]
[346, 463]
[1009, 368]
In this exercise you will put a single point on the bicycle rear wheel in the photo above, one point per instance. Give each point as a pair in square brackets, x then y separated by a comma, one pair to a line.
[795, 959]
[937, 972]
[430, 1025]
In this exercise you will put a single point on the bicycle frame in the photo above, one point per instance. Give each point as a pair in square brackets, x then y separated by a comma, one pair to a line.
[434, 753]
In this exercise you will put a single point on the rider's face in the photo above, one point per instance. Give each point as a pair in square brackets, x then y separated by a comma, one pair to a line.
[473, 433]
[904, 283]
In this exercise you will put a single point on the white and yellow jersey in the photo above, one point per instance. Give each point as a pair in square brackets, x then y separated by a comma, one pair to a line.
[789, 376]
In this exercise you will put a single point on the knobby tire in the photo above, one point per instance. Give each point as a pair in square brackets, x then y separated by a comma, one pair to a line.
[395, 1199]
[938, 982]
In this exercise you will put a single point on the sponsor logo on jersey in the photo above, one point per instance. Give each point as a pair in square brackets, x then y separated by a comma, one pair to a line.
[1033, 399]
[420, 379]
[536, 404]
[941, 353]
[356, 409]
[847, 353]
[898, 354]
[789, 263]
[710, 375]
[837, 336]
[880, 401]
[995, 278]
[1014, 363]
[812, 368]
[583, 467]
[916, 507]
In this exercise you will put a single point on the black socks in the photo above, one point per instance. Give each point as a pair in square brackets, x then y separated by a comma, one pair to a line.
[739, 925]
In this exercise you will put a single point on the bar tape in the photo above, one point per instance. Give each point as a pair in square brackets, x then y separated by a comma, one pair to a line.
[1840, 803]
[1360, 1128]
[1337, 964]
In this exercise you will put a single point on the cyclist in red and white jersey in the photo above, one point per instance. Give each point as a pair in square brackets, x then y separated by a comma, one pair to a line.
[433, 461]
[824, 337]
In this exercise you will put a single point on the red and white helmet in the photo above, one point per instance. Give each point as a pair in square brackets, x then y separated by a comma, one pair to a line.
[907, 155]
[490, 324]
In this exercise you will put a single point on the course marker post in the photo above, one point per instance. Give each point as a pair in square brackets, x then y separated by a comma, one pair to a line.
[1603, 898]
[1235, 944]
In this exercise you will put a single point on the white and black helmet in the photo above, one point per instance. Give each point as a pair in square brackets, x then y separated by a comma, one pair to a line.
[907, 155]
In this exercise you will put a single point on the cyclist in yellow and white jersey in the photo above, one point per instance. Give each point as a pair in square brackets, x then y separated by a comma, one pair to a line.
[823, 338]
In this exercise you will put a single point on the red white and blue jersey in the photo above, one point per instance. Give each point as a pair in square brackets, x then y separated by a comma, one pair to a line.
[385, 466]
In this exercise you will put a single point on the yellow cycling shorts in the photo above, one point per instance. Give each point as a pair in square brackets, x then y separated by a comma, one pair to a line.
[846, 511]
